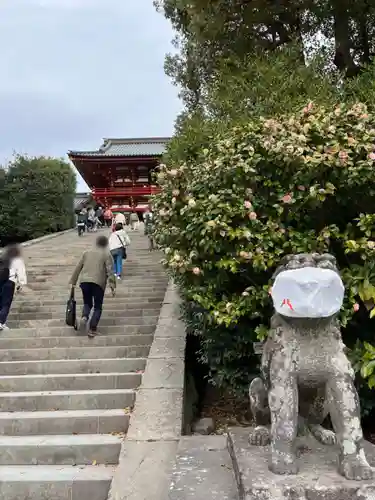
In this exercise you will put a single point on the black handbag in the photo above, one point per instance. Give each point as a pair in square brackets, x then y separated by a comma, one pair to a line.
[124, 254]
[71, 311]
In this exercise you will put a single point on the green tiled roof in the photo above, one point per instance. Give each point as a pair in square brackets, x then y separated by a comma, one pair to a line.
[154, 146]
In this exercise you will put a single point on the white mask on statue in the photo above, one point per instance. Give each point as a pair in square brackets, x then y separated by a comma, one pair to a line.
[309, 292]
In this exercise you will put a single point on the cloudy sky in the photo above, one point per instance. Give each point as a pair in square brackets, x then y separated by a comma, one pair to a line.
[75, 71]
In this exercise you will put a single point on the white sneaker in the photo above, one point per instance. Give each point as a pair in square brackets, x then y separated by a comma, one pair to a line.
[4, 328]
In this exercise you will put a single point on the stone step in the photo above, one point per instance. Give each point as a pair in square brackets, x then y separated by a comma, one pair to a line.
[139, 285]
[64, 422]
[110, 307]
[81, 353]
[107, 314]
[138, 281]
[55, 482]
[117, 321]
[66, 400]
[82, 449]
[60, 331]
[114, 302]
[41, 367]
[137, 270]
[62, 292]
[75, 382]
[77, 341]
[121, 296]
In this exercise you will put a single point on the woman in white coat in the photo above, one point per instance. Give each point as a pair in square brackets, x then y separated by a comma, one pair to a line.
[118, 243]
[13, 272]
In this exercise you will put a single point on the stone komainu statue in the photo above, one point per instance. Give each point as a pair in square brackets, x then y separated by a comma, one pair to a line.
[306, 376]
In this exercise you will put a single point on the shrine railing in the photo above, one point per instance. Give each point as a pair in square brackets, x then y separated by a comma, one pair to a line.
[125, 191]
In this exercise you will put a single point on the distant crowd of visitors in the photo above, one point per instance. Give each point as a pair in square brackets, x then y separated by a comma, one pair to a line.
[98, 267]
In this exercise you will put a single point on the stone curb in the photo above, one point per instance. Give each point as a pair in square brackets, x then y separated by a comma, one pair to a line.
[149, 451]
[45, 238]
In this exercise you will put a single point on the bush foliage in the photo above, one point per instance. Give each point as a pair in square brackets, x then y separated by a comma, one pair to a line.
[300, 183]
[36, 198]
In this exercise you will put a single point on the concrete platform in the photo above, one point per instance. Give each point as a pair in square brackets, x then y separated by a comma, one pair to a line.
[203, 470]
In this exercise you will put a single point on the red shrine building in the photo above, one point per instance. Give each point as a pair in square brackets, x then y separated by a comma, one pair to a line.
[120, 172]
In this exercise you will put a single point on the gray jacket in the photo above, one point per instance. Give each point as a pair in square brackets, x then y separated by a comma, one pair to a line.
[95, 266]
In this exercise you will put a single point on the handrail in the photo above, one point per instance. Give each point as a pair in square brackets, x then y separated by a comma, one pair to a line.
[131, 191]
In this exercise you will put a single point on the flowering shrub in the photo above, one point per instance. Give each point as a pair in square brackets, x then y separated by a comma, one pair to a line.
[301, 183]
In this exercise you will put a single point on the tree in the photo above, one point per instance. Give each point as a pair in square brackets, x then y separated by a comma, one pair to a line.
[211, 31]
[300, 183]
[37, 198]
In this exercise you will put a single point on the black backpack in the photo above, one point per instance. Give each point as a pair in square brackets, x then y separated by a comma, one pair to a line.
[4, 268]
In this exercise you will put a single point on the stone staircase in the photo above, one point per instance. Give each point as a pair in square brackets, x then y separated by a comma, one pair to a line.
[65, 399]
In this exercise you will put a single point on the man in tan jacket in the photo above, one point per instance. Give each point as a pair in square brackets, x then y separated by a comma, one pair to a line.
[94, 269]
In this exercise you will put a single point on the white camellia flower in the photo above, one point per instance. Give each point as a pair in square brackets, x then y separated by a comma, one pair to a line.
[173, 172]
[192, 202]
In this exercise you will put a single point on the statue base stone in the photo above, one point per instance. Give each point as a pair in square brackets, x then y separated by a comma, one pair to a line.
[317, 479]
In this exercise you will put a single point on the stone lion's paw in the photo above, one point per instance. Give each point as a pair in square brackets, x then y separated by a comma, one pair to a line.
[260, 436]
[324, 436]
[354, 467]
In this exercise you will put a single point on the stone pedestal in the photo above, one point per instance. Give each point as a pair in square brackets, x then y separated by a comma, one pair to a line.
[318, 478]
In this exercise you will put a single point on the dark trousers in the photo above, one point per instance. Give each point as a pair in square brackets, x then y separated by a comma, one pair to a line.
[93, 296]
[108, 222]
[6, 299]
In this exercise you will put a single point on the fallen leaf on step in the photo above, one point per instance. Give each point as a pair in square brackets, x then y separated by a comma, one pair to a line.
[94, 462]
[127, 410]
